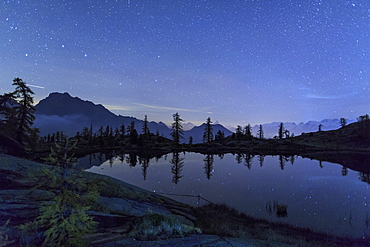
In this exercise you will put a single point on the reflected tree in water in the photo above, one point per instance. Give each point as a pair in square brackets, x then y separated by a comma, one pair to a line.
[131, 159]
[292, 159]
[158, 157]
[176, 169]
[121, 158]
[261, 159]
[364, 177]
[282, 160]
[111, 161]
[100, 157]
[239, 158]
[208, 165]
[320, 164]
[344, 171]
[248, 160]
[144, 166]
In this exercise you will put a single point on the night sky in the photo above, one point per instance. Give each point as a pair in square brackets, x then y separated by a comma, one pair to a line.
[235, 61]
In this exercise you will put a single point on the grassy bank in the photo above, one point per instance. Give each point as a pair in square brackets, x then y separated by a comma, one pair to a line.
[221, 220]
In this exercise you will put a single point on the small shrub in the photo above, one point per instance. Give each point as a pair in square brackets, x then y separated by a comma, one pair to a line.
[156, 226]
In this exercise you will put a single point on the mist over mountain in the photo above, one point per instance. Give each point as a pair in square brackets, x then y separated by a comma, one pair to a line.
[271, 129]
[188, 126]
[62, 112]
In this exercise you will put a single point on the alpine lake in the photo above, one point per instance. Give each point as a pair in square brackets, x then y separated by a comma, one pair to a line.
[322, 196]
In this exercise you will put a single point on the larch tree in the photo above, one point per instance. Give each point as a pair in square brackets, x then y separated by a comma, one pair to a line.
[146, 130]
[260, 132]
[132, 133]
[65, 221]
[24, 111]
[239, 132]
[220, 135]
[281, 131]
[177, 129]
[208, 131]
[248, 131]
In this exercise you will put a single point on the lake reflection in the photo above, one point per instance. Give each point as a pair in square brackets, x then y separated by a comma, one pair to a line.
[319, 195]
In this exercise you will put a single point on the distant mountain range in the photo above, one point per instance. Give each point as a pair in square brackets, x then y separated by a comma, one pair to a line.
[62, 112]
[271, 129]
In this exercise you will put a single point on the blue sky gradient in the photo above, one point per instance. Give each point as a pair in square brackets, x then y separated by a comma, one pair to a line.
[235, 61]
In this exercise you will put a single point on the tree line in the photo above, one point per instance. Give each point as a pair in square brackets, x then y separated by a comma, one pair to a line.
[17, 117]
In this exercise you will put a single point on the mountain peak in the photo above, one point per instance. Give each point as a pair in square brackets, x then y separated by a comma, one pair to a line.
[63, 104]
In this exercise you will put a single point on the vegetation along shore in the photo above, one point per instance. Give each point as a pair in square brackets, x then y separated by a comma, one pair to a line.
[44, 197]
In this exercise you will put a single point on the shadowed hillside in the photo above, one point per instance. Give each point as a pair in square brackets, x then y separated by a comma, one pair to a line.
[355, 136]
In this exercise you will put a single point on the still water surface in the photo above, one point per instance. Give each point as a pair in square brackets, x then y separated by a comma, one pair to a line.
[319, 195]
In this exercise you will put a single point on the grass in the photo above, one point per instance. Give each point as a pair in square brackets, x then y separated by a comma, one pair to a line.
[221, 220]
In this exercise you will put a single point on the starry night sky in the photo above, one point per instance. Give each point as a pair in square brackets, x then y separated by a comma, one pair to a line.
[235, 61]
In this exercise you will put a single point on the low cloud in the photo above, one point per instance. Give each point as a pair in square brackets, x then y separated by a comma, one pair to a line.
[338, 96]
[119, 108]
[166, 108]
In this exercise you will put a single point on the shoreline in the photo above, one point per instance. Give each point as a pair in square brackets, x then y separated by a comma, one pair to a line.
[19, 175]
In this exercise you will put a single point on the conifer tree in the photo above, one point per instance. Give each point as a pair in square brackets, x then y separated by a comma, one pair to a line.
[24, 112]
[248, 131]
[238, 132]
[363, 118]
[281, 131]
[85, 133]
[260, 132]
[208, 135]
[220, 135]
[190, 140]
[145, 126]
[287, 133]
[122, 129]
[132, 133]
[177, 129]
[343, 122]
[65, 221]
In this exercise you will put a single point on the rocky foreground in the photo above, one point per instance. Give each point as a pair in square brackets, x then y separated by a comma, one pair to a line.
[130, 216]
[117, 209]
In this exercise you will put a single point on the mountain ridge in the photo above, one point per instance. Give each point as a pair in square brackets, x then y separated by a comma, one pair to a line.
[62, 112]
